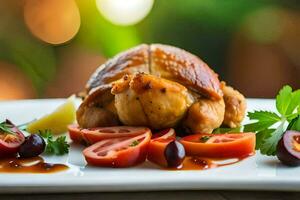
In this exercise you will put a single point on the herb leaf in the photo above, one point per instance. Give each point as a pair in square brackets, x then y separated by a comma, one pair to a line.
[288, 106]
[5, 127]
[294, 124]
[262, 136]
[264, 119]
[283, 100]
[269, 145]
[264, 116]
[295, 103]
[58, 146]
[258, 126]
[55, 147]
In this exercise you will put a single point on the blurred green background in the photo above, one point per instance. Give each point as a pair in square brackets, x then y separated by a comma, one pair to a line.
[49, 48]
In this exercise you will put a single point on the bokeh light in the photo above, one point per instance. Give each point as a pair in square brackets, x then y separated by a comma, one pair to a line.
[124, 12]
[53, 21]
[265, 25]
[14, 84]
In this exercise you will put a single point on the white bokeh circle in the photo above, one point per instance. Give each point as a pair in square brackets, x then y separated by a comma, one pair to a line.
[124, 12]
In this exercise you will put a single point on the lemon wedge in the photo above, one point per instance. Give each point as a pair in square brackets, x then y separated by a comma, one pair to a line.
[58, 120]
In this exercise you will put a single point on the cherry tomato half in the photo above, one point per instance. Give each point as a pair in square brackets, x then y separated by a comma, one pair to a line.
[11, 141]
[165, 134]
[93, 135]
[158, 152]
[233, 145]
[76, 134]
[119, 152]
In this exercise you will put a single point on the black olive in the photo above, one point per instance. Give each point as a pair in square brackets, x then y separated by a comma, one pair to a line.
[288, 148]
[33, 146]
[174, 154]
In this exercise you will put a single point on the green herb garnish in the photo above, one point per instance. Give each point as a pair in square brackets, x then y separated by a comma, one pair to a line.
[228, 130]
[5, 127]
[134, 143]
[270, 126]
[58, 146]
[204, 138]
[294, 124]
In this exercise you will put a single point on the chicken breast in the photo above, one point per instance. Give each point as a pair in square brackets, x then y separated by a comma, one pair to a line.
[148, 100]
[204, 116]
[235, 106]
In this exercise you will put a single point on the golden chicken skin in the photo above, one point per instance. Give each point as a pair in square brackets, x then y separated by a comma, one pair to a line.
[204, 116]
[159, 86]
[235, 105]
[151, 101]
[98, 108]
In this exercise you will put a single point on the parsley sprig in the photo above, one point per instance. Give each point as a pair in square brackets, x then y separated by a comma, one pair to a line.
[270, 126]
[58, 146]
[5, 127]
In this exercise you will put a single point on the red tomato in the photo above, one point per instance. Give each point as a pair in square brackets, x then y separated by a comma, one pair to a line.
[119, 152]
[165, 134]
[232, 145]
[157, 146]
[76, 134]
[10, 143]
[93, 135]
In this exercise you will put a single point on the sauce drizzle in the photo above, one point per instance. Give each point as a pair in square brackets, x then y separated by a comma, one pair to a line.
[199, 163]
[29, 165]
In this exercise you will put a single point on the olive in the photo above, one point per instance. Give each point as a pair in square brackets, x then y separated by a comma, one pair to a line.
[33, 146]
[288, 148]
[174, 154]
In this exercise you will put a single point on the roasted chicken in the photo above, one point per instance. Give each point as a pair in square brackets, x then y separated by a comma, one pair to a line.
[159, 86]
[151, 101]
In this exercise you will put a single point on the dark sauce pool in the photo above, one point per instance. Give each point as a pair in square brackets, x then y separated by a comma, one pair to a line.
[29, 165]
[38, 165]
[198, 163]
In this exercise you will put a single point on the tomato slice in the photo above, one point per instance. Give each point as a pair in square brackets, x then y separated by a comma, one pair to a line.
[10, 142]
[233, 145]
[157, 146]
[76, 134]
[119, 152]
[93, 135]
[165, 134]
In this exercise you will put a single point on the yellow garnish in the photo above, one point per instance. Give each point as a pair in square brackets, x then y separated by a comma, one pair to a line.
[57, 121]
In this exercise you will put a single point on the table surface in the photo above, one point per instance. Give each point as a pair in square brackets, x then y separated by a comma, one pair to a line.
[170, 195]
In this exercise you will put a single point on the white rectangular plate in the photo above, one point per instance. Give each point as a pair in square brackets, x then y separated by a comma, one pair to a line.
[255, 173]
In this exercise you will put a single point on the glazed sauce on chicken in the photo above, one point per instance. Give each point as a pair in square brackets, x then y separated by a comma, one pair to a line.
[29, 165]
[198, 163]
